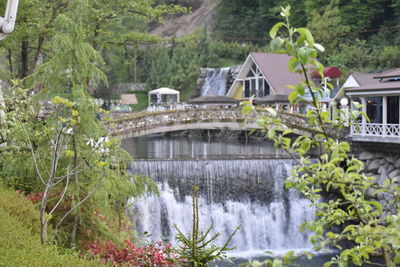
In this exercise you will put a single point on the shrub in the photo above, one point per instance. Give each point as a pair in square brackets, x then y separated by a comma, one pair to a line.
[21, 209]
[19, 239]
[157, 254]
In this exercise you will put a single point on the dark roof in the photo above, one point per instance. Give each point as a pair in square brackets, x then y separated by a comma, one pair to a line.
[381, 86]
[213, 99]
[368, 81]
[271, 99]
[275, 69]
[389, 74]
[331, 72]
[365, 78]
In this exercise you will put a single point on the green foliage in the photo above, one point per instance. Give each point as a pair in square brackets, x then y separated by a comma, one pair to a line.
[66, 156]
[356, 214]
[236, 50]
[142, 99]
[197, 247]
[328, 27]
[19, 241]
[286, 260]
[177, 67]
[20, 209]
[353, 34]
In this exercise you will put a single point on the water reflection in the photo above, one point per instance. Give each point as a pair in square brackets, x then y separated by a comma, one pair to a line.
[165, 147]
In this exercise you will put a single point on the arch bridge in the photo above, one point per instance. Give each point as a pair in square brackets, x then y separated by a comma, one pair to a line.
[146, 123]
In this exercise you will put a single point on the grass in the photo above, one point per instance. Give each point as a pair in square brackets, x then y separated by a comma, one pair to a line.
[142, 99]
[19, 238]
[185, 95]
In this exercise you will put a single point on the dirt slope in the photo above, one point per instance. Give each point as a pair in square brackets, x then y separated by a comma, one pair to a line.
[187, 23]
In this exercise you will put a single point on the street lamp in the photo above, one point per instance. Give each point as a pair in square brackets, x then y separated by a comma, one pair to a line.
[7, 22]
[344, 102]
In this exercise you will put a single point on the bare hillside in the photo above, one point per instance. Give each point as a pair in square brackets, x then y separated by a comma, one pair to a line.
[187, 23]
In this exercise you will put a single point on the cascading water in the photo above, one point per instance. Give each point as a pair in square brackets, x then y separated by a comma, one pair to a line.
[215, 81]
[236, 192]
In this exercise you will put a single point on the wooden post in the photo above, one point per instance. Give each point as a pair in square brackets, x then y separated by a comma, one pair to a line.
[364, 109]
[384, 115]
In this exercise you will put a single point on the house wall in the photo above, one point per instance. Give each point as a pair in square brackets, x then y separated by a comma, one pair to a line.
[239, 92]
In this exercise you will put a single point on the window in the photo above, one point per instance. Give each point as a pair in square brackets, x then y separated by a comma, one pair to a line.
[246, 89]
[393, 109]
[374, 109]
[266, 88]
[153, 99]
[255, 84]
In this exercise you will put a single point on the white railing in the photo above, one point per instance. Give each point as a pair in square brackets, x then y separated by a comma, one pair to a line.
[375, 129]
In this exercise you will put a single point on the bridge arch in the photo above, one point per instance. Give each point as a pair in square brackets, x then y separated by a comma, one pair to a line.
[146, 123]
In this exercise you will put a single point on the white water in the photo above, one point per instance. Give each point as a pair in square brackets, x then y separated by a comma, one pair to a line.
[249, 193]
[215, 81]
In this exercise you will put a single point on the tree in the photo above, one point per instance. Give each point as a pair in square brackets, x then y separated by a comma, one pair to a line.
[355, 215]
[106, 22]
[198, 247]
[76, 169]
[184, 66]
[328, 27]
[158, 71]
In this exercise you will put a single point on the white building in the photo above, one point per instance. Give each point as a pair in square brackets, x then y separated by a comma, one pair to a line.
[380, 95]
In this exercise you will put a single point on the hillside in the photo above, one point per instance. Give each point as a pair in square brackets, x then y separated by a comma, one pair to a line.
[19, 241]
[183, 25]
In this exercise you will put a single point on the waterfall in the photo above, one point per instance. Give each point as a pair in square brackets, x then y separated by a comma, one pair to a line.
[246, 192]
[215, 81]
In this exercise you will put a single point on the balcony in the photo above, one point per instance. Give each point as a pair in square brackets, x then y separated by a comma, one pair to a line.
[375, 132]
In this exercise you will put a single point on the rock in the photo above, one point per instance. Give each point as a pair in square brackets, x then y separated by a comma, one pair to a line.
[374, 166]
[394, 173]
[397, 178]
[381, 168]
[391, 159]
[366, 155]
[382, 161]
[397, 163]
[379, 155]
[389, 167]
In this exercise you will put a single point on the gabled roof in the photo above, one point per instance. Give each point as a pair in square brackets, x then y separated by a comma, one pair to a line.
[368, 81]
[274, 67]
[395, 73]
[364, 79]
[371, 84]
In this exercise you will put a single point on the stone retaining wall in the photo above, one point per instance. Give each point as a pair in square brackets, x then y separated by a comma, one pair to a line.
[382, 165]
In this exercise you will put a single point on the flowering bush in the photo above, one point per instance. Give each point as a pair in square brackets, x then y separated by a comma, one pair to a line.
[158, 254]
[37, 197]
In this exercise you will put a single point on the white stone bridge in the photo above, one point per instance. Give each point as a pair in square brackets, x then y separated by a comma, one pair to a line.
[146, 123]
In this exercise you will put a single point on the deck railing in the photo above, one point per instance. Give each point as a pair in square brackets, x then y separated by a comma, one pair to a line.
[375, 129]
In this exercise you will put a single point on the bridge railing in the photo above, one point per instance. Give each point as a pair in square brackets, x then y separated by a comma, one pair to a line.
[150, 120]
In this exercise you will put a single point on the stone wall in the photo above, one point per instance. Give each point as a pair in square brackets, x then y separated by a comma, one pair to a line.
[381, 165]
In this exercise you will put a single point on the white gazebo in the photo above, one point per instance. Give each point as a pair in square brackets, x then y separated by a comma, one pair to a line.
[163, 96]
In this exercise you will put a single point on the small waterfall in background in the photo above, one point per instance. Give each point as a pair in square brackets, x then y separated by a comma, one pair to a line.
[246, 192]
[215, 81]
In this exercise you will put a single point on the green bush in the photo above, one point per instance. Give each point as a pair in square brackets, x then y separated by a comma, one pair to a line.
[19, 238]
[21, 209]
